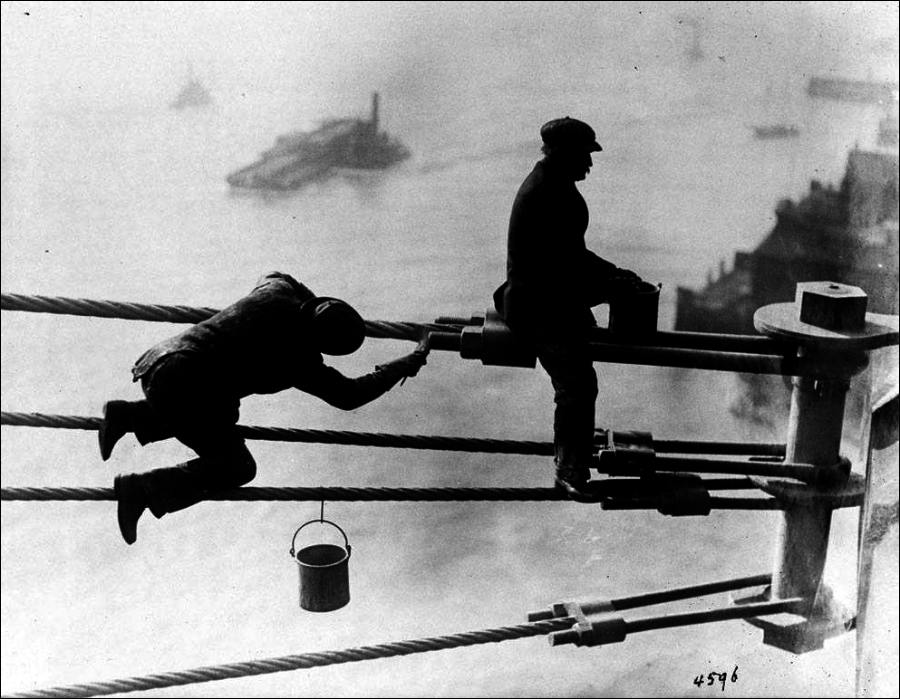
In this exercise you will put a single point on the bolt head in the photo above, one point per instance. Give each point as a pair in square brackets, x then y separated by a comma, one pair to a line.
[833, 306]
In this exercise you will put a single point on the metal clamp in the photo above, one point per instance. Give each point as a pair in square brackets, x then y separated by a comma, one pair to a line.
[626, 451]
[673, 494]
[596, 623]
[681, 495]
[494, 343]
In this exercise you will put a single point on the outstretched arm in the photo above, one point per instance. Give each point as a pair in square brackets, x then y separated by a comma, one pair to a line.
[347, 393]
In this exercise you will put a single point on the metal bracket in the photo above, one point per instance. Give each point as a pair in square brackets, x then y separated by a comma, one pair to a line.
[801, 633]
[673, 494]
[494, 344]
[681, 495]
[596, 623]
[836, 488]
[627, 452]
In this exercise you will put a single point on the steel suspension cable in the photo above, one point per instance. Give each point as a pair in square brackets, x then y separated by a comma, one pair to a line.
[315, 494]
[341, 494]
[303, 661]
[406, 441]
[284, 434]
[185, 314]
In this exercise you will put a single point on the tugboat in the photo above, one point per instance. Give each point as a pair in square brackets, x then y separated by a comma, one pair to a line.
[772, 131]
[847, 234]
[846, 90]
[337, 146]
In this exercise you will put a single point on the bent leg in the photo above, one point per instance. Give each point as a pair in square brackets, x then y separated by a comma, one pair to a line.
[174, 488]
[121, 417]
[146, 423]
[189, 400]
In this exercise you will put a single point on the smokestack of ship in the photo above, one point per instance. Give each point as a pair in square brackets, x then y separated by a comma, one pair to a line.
[374, 119]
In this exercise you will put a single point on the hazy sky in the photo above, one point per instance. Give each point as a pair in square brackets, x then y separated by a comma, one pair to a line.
[78, 50]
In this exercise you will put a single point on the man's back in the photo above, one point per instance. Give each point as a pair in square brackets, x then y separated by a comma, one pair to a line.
[546, 232]
[257, 344]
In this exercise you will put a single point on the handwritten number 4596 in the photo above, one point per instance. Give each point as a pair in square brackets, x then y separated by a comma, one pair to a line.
[711, 678]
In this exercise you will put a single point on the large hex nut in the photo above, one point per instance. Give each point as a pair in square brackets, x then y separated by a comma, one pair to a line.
[833, 306]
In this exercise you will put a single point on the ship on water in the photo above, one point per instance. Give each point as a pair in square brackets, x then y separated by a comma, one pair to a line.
[775, 131]
[337, 146]
[847, 90]
[847, 234]
[192, 94]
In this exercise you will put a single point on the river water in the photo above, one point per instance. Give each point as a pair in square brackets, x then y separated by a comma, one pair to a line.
[108, 194]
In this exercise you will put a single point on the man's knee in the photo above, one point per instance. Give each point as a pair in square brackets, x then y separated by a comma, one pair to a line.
[241, 470]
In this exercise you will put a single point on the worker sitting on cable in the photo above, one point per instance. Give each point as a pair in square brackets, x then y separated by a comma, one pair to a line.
[552, 282]
[270, 340]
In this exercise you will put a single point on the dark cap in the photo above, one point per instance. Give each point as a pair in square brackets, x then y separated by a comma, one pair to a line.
[337, 328]
[569, 132]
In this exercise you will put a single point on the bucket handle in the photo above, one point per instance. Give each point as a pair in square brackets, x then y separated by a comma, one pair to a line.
[320, 521]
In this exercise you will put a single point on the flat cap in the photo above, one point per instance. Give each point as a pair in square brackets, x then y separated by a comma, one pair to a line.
[569, 132]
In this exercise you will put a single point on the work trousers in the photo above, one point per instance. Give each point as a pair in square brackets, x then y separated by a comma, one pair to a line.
[186, 400]
[574, 380]
[559, 335]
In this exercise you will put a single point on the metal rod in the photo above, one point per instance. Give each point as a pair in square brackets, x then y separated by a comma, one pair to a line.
[650, 503]
[728, 483]
[753, 344]
[800, 472]
[449, 341]
[674, 446]
[453, 320]
[690, 591]
[699, 359]
[743, 611]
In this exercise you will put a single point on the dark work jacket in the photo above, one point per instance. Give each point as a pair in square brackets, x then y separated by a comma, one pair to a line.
[552, 279]
[261, 344]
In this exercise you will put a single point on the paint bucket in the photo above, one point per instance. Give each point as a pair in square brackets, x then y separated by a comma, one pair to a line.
[635, 310]
[324, 572]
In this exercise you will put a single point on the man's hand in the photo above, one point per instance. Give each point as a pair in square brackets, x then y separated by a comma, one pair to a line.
[623, 283]
[424, 346]
[420, 354]
[406, 366]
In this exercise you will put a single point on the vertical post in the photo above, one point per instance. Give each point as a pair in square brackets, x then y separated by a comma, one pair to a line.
[830, 324]
[814, 437]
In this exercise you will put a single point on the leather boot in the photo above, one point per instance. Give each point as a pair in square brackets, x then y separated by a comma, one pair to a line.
[115, 425]
[572, 477]
[132, 503]
[576, 484]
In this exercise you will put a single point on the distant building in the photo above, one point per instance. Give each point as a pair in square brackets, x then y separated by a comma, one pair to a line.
[847, 234]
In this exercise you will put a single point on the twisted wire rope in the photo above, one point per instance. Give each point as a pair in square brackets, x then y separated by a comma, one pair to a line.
[342, 494]
[183, 314]
[285, 434]
[316, 493]
[303, 661]
[406, 441]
